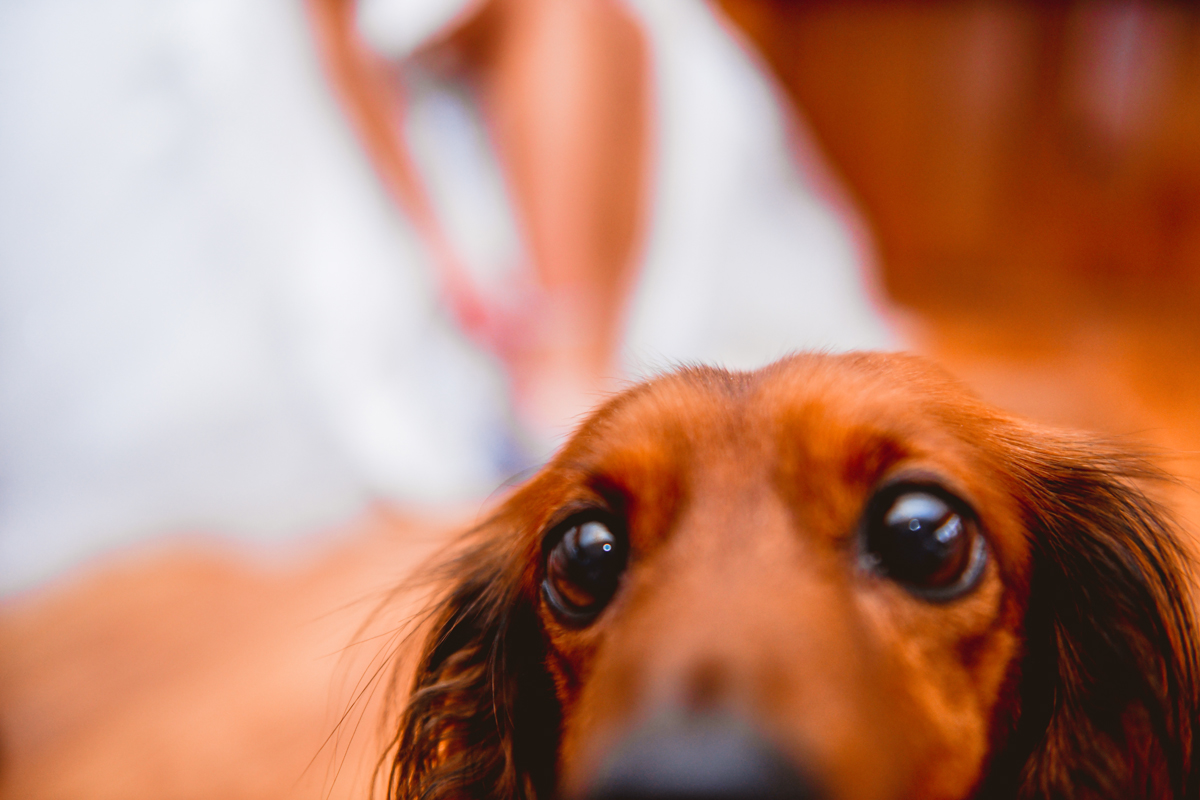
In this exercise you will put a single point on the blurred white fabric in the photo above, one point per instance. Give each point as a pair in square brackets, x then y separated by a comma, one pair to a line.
[746, 261]
[211, 318]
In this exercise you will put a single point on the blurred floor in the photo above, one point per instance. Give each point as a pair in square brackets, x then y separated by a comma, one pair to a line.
[190, 671]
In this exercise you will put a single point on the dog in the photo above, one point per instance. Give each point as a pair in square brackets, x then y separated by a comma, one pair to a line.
[840, 577]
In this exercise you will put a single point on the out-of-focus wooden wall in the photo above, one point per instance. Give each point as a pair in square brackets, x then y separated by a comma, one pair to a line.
[1012, 158]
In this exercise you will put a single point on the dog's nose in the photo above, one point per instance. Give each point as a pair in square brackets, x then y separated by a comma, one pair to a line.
[700, 758]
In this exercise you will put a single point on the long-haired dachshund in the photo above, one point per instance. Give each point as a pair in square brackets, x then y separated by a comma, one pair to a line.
[836, 578]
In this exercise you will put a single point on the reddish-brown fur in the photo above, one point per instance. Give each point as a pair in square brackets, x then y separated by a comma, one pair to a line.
[1070, 670]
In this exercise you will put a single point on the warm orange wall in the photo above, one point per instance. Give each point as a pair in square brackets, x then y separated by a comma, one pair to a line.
[1007, 154]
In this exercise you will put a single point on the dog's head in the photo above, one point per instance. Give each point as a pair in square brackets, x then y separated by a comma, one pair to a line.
[837, 578]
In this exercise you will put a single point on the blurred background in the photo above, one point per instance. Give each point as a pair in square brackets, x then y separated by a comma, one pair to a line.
[268, 268]
[264, 265]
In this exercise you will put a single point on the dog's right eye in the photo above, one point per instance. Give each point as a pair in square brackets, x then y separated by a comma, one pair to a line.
[926, 540]
[583, 570]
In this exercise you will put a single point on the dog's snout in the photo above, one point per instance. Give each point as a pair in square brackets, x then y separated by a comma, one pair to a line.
[703, 758]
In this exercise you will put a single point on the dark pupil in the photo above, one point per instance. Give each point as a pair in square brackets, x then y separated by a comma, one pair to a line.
[920, 541]
[585, 566]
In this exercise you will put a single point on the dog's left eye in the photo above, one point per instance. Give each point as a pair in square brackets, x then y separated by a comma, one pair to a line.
[583, 569]
[925, 541]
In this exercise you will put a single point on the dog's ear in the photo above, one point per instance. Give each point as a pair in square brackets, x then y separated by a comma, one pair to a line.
[1108, 691]
[481, 718]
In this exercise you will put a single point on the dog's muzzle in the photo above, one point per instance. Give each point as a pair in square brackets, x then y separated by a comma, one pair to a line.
[700, 757]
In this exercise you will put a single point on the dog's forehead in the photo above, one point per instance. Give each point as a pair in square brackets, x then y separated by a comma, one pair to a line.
[821, 407]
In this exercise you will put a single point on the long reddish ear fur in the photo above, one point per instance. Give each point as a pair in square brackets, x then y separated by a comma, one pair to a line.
[481, 677]
[1108, 698]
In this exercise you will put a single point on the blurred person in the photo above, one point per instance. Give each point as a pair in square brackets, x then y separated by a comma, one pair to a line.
[563, 88]
[213, 319]
[565, 95]
[210, 318]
